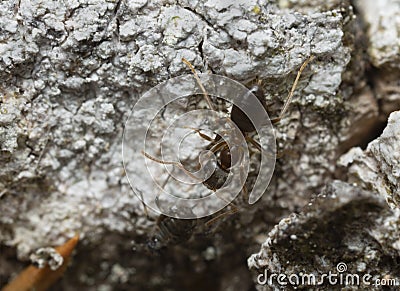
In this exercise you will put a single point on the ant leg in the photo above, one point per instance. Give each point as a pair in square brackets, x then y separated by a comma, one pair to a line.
[244, 188]
[205, 136]
[270, 103]
[253, 142]
[176, 164]
[229, 212]
[289, 97]
[288, 152]
[245, 193]
[256, 144]
[160, 161]
[210, 104]
[219, 145]
[279, 155]
[146, 212]
[157, 199]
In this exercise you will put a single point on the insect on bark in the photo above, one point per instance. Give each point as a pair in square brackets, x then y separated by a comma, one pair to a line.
[219, 146]
[171, 231]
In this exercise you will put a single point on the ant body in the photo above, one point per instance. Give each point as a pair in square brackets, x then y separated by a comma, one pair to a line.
[242, 121]
[170, 229]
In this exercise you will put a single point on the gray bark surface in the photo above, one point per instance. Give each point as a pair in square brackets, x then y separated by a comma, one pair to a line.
[70, 73]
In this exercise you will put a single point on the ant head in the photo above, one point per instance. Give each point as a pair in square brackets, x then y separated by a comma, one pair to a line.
[154, 244]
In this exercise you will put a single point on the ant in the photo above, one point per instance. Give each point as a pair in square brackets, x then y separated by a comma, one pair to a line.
[242, 121]
[171, 231]
[220, 147]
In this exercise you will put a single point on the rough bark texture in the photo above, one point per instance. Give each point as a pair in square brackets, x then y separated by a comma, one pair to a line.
[378, 167]
[342, 225]
[70, 73]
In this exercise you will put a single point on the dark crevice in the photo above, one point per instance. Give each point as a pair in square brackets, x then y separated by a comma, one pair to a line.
[116, 9]
[71, 12]
[116, 15]
[369, 78]
[377, 129]
[200, 48]
[16, 7]
[118, 27]
[373, 134]
[199, 15]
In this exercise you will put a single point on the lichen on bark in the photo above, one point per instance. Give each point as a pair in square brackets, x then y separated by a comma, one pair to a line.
[70, 73]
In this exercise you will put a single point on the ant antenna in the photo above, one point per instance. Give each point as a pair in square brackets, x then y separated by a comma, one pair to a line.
[210, 104]
[289, 97]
